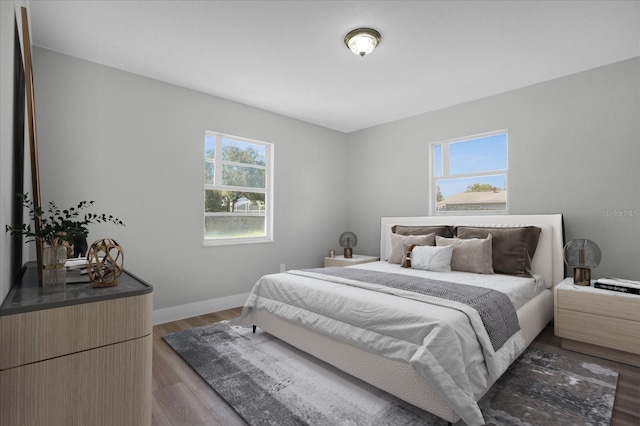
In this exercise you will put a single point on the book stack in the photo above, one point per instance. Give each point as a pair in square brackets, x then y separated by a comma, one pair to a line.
[618, 284]
[77, 270]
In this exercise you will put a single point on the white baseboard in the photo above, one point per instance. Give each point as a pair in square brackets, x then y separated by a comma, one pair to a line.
[174, 313]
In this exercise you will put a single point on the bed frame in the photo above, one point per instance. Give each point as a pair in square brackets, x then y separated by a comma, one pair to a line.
[401, 379]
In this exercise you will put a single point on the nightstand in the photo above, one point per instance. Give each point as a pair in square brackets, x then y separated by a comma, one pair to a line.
[598, 322]
[355, 260]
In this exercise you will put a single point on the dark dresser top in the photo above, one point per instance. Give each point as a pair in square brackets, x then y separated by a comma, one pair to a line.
[27, 296]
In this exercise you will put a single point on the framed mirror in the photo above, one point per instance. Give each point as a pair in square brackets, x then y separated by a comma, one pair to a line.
[18, 141]
[24, 127]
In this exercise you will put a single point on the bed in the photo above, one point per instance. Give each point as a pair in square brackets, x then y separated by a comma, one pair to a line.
[375, 333]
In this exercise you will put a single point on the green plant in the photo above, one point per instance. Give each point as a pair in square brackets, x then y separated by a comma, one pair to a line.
[59, 226]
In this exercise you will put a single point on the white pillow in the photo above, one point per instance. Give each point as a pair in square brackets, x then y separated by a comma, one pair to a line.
[437, 259]
[397, 241]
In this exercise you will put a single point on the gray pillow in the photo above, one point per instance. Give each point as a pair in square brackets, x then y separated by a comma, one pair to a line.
[397, 241]
[513, 248]
[471, 255]
[442, 230]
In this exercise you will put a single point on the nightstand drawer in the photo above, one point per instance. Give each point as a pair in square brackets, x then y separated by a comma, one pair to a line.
[601, 303]
[614, 333]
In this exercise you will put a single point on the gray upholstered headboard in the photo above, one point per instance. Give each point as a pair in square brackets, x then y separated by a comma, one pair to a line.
[547, 260]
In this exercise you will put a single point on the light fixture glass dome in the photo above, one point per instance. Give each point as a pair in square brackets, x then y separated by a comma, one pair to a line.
[362, 41]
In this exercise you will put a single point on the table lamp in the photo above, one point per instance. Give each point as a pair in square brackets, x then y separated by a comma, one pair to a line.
[582, 255]
[348, 241]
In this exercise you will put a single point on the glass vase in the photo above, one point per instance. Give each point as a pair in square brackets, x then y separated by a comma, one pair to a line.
[54, 273]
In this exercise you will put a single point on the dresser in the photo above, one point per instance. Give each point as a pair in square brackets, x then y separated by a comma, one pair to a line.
[598, 322]
[80, 356]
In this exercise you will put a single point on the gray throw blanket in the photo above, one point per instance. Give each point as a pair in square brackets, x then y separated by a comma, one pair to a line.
[494, 307]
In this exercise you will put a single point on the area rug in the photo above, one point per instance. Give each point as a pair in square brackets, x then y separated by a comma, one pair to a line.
[269, 382]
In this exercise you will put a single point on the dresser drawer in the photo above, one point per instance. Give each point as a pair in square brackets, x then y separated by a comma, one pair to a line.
[600, 302]
[38, 335]
[614, 333]
[107, 386]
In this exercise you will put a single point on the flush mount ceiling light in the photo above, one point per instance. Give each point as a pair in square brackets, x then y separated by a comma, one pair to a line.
[362, 41]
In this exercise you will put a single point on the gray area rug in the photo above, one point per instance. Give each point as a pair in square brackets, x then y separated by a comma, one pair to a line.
[269, 382]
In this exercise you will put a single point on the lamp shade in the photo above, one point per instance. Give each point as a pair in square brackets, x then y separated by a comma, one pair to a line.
[362, 41]
[348, 240]
[582, 253]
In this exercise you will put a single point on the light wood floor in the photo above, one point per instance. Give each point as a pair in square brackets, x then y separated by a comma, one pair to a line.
[181, 397]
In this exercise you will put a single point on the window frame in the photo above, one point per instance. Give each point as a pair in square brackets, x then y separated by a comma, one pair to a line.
[218, 163]
[433, 211]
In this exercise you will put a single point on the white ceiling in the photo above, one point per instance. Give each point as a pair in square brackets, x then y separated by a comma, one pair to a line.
[289, 57]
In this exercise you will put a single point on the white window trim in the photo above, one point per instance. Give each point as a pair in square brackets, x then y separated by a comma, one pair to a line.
[445, 167]
[267, 190]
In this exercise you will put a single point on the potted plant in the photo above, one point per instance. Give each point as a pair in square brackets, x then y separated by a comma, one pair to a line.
[58, 229]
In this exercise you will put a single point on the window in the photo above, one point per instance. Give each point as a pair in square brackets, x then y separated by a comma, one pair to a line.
[238, 190]
[470, 175]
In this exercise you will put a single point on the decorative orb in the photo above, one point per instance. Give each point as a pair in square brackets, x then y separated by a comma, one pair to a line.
[105, 260]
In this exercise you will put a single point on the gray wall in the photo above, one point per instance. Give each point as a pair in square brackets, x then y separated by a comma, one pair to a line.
[135, 146]
[574, 148]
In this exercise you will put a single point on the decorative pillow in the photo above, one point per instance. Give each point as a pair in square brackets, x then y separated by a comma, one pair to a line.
[437, 259]
[513, 248]
[406, 255]
[471, 255]
[442, 230]
[397, 251]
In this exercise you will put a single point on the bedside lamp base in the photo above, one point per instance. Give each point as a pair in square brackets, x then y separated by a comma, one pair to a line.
[582, 276]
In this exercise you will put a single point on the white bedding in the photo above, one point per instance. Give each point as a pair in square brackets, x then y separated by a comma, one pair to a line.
[440, 342]
[519, 289]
